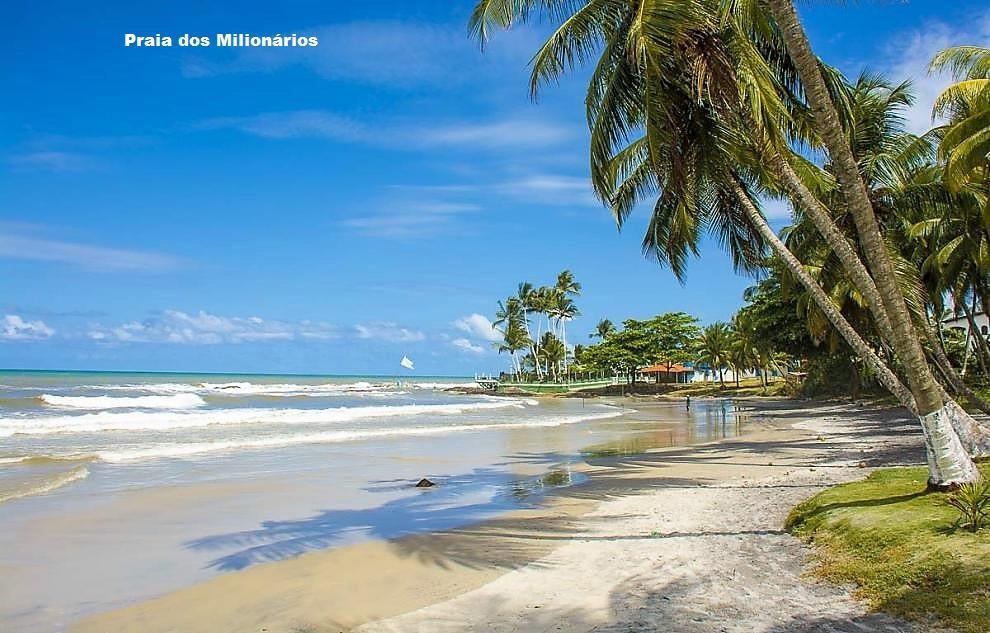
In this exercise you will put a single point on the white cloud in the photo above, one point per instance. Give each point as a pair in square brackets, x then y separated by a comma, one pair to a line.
[910, 53]
[203, 328]
[387, 331]
[57, 161]
[293, 124]
[552, 189]
[775, 209]
[16, 244]
[412, 220]
[478, 326]
[321, 124]
[467, 346]
[397, 54]
[15, 328]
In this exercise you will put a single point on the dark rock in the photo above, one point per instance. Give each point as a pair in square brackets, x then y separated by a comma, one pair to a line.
[425, 483]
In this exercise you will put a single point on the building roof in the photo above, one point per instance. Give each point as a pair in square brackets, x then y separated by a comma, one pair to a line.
[676, 368]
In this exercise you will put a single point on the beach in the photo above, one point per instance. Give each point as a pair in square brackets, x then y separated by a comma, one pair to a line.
[674, 538]
[124, 488]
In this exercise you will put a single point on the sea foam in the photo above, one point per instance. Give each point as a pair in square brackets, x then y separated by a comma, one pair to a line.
[176, 401]
[164, 421]
[191, 449]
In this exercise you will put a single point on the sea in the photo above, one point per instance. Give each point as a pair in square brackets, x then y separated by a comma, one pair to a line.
[116, 487]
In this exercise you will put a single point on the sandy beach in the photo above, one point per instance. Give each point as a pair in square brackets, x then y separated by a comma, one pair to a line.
[677, 539]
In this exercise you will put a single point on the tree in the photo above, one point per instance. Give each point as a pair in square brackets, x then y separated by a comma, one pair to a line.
[693, 120]
[509, 319]
[949, 464]
[965, 142]
[713, 348]
[603, 330]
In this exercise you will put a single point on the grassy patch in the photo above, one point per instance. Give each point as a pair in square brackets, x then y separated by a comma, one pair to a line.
[902, 547]
[747, 387]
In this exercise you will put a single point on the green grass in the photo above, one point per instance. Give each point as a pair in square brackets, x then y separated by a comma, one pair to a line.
[902, 547]
[747, 387]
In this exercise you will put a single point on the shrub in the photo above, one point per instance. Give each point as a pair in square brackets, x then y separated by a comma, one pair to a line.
[972, 500]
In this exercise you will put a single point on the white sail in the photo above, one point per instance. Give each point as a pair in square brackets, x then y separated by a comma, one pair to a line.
[405, 362]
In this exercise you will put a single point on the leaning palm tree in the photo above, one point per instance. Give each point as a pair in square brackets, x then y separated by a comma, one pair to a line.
[948, 464]
[641, 82]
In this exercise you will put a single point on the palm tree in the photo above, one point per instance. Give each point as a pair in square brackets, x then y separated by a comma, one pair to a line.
[948, 462]
[603, 330]
[966, 141]
[526, 296]
[714, 348]
[509, 319]
[640, 82]
[564, 309]
[552, 353]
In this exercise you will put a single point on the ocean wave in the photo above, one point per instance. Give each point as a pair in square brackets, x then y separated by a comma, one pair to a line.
[440, 386]
[256, 389]
[192, 449]
[36, 487]
[176, 401]
[165, 421]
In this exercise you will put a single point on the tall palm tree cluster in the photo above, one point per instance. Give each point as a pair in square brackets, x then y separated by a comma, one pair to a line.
[702, 109]
[533, 324]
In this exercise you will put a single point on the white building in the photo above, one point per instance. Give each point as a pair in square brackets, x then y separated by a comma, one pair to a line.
[961, 323]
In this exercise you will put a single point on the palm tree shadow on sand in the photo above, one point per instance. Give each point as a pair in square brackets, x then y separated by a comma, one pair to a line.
[455, 501]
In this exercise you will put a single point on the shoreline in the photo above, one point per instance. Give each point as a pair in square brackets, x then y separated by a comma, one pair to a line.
[407, 583]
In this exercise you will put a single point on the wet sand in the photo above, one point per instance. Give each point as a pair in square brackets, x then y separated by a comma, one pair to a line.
[676, 539]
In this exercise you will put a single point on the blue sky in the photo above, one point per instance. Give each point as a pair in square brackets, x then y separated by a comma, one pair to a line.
[327, 210]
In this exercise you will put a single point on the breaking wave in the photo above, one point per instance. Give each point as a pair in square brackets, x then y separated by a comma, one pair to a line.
[164, 421]
[176, 401]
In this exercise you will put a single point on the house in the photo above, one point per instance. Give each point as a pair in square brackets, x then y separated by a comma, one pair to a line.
[664, 373]
[961, 323]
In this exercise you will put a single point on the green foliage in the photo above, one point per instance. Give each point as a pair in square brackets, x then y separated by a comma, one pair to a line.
[972, 500]
[895, 541]
[667, 338]
[714, 347]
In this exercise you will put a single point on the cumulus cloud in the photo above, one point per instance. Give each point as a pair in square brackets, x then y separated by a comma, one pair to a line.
[478, 326]
[467, 346]
[15, 328]
[203, 328]
[389, 332]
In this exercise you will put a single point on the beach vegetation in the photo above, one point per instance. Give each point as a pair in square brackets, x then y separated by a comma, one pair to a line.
[972, 501]
[903, 547]
[703, 111]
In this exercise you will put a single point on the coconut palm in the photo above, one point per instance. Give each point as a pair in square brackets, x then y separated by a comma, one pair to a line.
[509, 320]
[966, 141]
[641, 83]
[714, 348]
[949, 464]
[603, 330]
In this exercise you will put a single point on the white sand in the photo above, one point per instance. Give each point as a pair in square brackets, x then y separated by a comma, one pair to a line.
[705, 556]
[674, 540]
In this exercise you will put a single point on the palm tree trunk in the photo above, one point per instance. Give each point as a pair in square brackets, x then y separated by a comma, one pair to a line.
[979, 343]
[860, 277]
[837, 241]
[948, 463]
[945, 366]
[886, 377]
